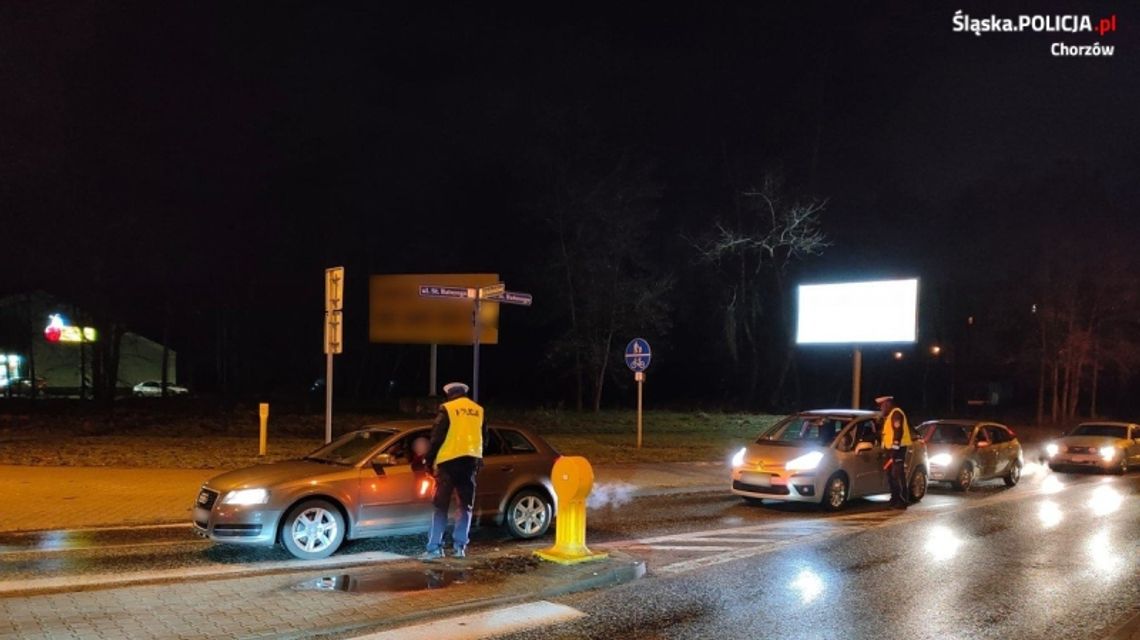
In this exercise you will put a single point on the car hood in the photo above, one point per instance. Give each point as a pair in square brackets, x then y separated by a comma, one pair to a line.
[269, 475]
[776, 455]
[1088, 441]
[945, 447]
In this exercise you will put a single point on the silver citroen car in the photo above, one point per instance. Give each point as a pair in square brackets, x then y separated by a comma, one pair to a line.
[963, 452]
[371, 483]
[1107, 446]
[826, 457]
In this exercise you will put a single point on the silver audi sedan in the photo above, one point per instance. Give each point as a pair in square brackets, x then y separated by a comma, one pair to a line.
[962, 452]
[372, 483]
[826, 457]
[1107, 446]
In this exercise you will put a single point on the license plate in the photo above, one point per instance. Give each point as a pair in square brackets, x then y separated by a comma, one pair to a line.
[758, 479]
[780, 481]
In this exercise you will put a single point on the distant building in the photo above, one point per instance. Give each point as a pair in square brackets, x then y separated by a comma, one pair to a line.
[42, 332]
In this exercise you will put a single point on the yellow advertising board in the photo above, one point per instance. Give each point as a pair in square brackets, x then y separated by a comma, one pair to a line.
[398, 315]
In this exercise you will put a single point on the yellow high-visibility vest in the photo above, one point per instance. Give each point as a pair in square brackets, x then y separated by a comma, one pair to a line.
[889, 429]
[464, 432]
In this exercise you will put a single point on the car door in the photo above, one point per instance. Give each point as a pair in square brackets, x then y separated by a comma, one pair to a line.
[394, 495]
[1001, 449]
[865, 468]
[983, 453]
[1134, 446]
[499, 467]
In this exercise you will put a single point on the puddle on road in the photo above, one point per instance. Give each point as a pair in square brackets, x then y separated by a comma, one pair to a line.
[424, 579]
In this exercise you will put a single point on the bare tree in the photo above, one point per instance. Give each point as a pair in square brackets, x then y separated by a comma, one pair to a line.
[751, 249]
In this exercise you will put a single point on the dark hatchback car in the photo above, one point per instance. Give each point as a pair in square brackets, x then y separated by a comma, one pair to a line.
[366, 484]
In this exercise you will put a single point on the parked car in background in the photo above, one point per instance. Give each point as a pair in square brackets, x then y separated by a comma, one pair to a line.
[153, 389]
[372, 483]
[963, 452]
[1105, 446]
[826, 457]
[22, 387]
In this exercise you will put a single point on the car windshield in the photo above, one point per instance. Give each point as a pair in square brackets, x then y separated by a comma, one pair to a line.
[943, 433]
[1106, 430]
[818, 430]
[351, 447]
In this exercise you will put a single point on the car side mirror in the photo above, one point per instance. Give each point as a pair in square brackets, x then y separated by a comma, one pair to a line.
[863, 446]
[381, 461]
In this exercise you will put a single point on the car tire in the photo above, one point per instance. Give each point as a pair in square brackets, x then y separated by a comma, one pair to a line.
[965, 478]
[1011, 479]
[528, 514]
[312, 529]
[918, 484]
[835, 493]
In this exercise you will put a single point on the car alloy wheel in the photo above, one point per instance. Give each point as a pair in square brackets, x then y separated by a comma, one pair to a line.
[965, 477]
[918, 483]
[529, 514]
[313, 529]
[835, 494]
[1014, 475]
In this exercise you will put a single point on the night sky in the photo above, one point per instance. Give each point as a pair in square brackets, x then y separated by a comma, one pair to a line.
[195, 165]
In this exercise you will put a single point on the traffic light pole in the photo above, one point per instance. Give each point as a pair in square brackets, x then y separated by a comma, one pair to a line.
[475, 357]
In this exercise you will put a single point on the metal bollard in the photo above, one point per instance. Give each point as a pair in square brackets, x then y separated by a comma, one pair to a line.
[573, 478]
[263, 411]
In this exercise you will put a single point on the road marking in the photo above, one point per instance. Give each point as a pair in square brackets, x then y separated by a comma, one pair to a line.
[103, 580]
[484, 624]
[687, 547]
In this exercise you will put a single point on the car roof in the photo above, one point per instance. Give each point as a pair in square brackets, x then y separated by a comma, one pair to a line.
[1108, 423]
[842, 413]
[408, 425]
[959, 422]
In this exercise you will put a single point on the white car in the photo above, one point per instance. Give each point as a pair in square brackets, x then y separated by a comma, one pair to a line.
[153, 389]
[1104, 446]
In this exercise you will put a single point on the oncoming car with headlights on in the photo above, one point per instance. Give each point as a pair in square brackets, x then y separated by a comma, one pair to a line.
[1107, 446]
[962, 452]
[371, 483]
[826, 457]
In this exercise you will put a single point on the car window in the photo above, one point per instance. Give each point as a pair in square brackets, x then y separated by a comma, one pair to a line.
[351, 447]
[494, 444]
[1106, 430]
[944, 433]
[814, 429]
[410, 448]
[866, 431]
[516, 442]
[980, 435]
[998, 434]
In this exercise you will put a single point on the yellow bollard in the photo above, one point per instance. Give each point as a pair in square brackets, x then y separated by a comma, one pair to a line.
[573, 478]
[263, 411]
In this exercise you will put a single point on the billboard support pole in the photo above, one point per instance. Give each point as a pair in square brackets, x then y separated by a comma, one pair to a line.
[856, 377]
[432, 368]
[475, 358]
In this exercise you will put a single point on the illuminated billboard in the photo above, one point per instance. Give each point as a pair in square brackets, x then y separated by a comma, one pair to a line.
[857, 312]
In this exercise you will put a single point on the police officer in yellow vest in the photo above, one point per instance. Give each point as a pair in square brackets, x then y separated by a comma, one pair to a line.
[896, 439]
[456, 455]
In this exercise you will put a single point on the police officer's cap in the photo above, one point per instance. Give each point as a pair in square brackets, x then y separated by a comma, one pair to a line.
[455, 387]
[879, 400]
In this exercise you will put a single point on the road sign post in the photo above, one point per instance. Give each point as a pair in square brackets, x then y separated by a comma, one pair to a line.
[637, 358]
[496, 292]
[334, 333]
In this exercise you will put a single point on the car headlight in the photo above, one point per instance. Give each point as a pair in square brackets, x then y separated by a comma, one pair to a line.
[738, 458]
[806, 462]
[1108, 453]
[941, 460]
[1051, 449]
[246, 497]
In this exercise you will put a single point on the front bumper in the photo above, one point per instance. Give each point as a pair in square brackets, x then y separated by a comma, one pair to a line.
[1083, 461]
[249, 525]
[945, 474]
[776, 485]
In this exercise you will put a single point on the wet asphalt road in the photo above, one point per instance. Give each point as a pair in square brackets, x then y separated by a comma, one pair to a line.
[1056, 557]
